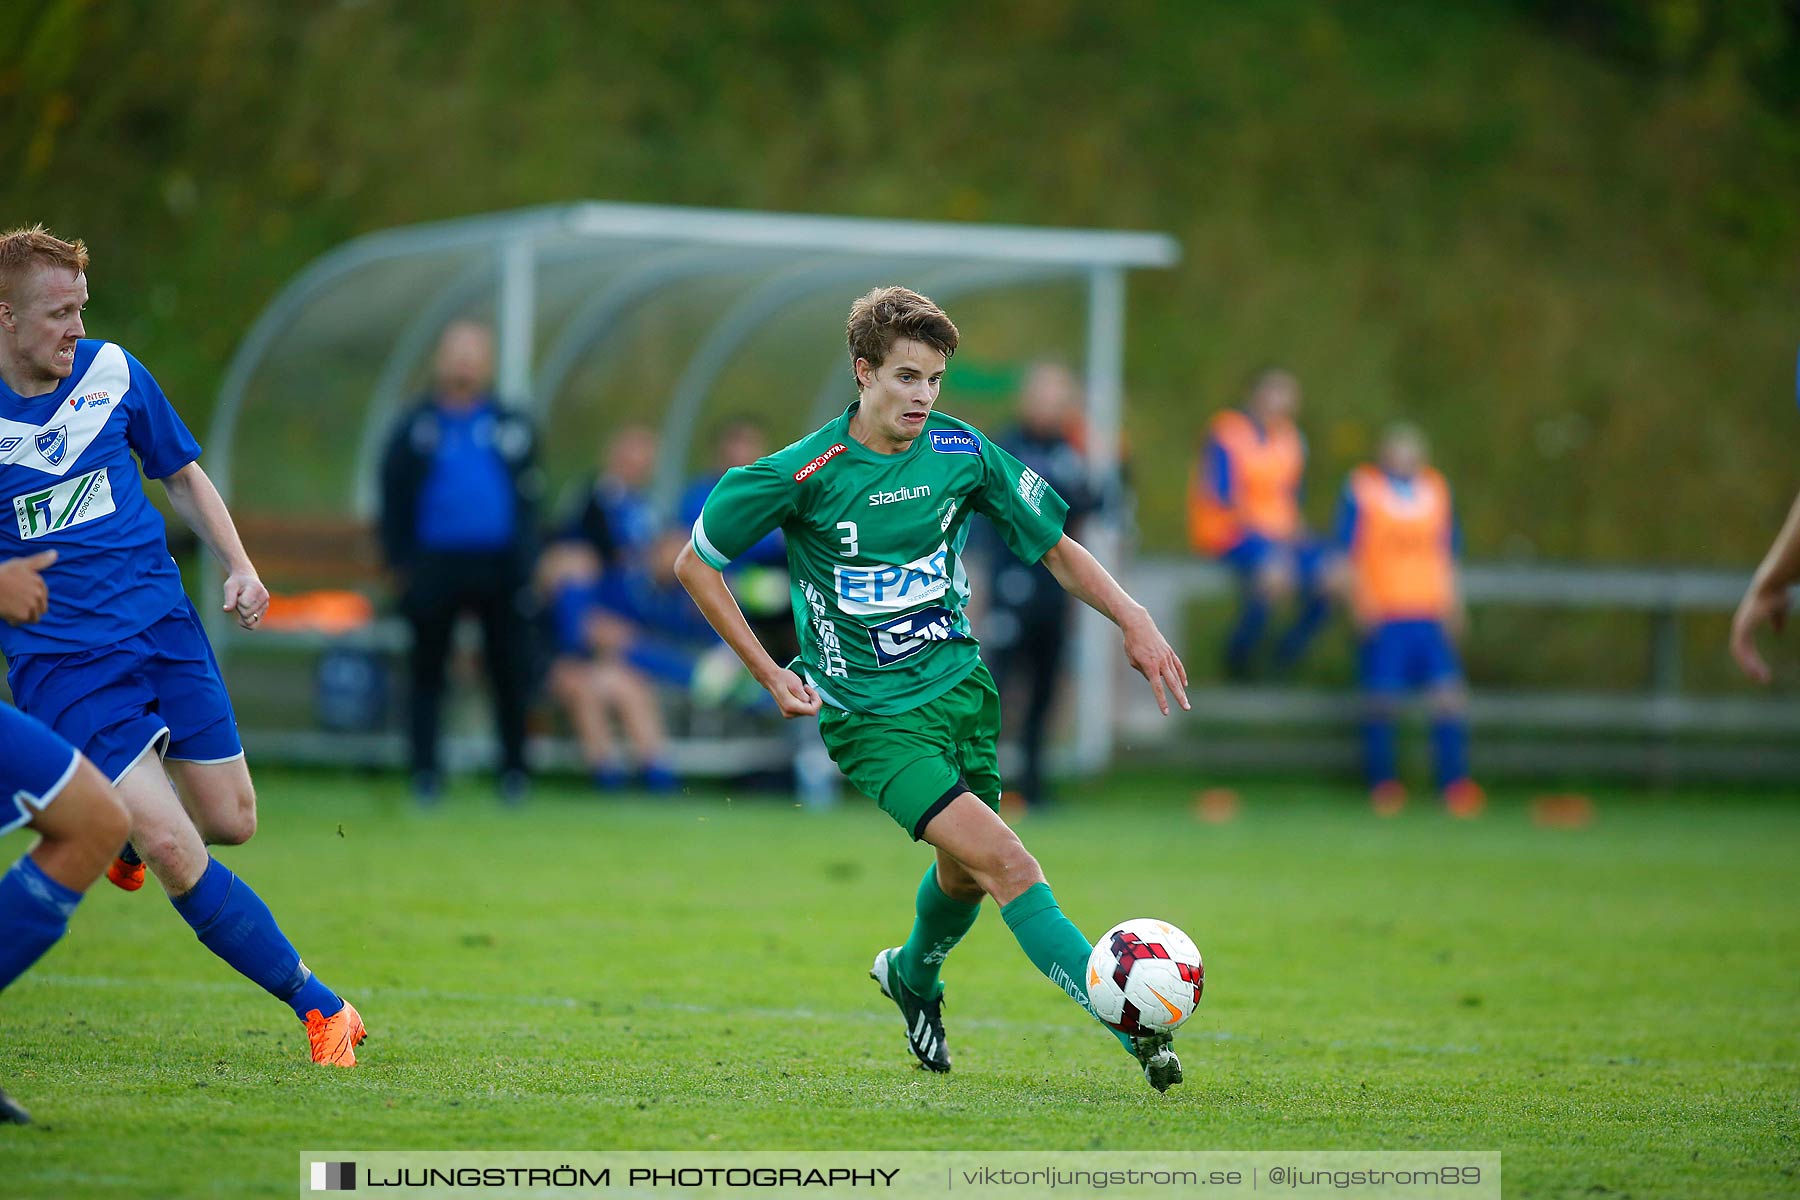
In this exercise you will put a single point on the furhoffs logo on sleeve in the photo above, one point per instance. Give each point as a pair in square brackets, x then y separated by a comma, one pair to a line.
[334, 1177]
[53, 444]
[955, 441]
[806, 472]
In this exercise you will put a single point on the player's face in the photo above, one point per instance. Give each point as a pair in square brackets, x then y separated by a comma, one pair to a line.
[1402, 455]
[631, 459]
[1277, 399]
[898, 395]
[43, 323]
[464, 369]
[1047, 400]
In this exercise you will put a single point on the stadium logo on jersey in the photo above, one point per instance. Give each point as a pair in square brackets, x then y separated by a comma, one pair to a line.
[71, 502]
[877, 499]
[905, 636]
[8, 445]
[1031, 490]
[805, 473]
[954, 441]
[888, 587]
[92, 399]
[53, 444]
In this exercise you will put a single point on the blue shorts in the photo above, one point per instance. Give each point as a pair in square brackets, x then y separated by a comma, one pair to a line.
[1401, 655]
[1254, 550]
[158, 690]
[35, 766]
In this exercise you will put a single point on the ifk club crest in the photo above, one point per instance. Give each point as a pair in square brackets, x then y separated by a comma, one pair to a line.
[53, 444]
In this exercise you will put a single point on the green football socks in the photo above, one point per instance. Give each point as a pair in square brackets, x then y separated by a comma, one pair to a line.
[1053, 944]
[940, 924]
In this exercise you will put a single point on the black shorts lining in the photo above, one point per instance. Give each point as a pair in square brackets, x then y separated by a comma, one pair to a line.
[940, 804]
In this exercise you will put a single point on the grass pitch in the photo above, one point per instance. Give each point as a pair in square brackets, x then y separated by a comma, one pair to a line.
[1615, 1008]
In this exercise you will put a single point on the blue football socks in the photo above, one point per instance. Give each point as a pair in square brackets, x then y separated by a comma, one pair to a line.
[34, 911]
[1450, 749]
[1253, 618]
[1381, 758]
[234, 923]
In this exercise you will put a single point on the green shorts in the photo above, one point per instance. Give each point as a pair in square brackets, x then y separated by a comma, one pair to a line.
[915, 763]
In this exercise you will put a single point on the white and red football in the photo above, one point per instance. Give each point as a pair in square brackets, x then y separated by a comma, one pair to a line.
[1144, 976]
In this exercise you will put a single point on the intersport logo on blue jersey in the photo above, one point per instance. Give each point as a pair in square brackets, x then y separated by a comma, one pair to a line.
[954, 441]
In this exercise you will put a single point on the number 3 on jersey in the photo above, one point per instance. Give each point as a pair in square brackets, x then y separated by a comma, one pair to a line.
[849, 538]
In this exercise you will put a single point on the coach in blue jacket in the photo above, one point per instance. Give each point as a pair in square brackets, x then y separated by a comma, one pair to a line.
[460, 489]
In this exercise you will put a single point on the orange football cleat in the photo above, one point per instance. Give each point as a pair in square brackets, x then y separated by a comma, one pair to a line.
[1387, 798]
[126, 873]
[1465, 800]
[335, 1038]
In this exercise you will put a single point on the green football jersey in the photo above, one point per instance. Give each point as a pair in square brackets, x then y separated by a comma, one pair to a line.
[874, 546]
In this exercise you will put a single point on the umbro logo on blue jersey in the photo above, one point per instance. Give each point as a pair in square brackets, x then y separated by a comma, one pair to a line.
[8, 445]
[954, 441]
[91, 400]
[53, 444]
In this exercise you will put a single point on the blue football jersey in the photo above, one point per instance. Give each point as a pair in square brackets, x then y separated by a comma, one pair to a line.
[68, 478]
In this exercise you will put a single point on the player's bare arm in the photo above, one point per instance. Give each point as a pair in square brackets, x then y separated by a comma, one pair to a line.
[24, 596]
[1766, 600]
[1149, 653]
[720, 608]
[200, 506]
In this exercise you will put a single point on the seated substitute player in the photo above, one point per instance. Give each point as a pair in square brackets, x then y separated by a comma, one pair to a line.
[610, 657]
[119, 665]
[1398, 533]
[46, 785]
[876, 509]
[1244, 510]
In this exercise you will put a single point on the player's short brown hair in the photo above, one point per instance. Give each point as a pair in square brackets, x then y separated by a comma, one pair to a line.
[886, 315]
[24, 248]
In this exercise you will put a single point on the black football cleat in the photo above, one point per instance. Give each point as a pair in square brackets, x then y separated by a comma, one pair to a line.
[1161, 1067]
[924, 1018]
[11, 1113]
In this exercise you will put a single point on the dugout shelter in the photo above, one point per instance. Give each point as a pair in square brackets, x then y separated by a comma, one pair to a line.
[606, 313]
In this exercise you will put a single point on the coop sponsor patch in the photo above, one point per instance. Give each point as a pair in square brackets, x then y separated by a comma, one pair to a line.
[806, 472]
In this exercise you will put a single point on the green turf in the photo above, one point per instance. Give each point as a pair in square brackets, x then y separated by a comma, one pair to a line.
[1614, 1008]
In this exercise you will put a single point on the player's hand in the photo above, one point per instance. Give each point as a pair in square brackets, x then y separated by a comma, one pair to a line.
[793, 695]
[24, 596]
[1151, 656]
[1761, 603]
[246, 596]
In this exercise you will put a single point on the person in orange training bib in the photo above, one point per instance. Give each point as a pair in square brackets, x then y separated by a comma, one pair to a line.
[1397, 530]
[1244, 511]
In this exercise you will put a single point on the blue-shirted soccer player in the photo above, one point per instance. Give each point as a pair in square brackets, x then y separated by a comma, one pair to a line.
[119, 665]
[76, 836]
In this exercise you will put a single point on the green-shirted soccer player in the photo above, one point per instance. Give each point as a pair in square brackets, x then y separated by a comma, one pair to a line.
[876, 508]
